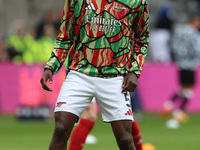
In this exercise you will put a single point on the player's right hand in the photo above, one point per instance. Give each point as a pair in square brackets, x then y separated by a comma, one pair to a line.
[47, 75]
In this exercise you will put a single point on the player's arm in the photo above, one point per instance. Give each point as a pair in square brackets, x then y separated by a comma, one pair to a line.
[63, 44]
[141, 41]
[64, 40]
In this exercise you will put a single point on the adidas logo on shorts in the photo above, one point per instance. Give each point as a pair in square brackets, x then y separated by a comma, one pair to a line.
[128, 113]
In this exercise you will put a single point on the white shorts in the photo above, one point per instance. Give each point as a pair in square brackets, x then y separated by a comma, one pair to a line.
[79, 89]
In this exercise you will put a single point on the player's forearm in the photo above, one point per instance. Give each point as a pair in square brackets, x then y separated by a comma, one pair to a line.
[141, 40]
[139, 53]
[64, 40]
[56, 60]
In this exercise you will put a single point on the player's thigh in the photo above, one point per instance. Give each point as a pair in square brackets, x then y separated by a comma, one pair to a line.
[90, 113]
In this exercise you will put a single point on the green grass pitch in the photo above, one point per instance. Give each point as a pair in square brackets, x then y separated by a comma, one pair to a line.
[36, 135]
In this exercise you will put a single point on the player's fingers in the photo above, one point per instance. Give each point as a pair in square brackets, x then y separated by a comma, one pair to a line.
[125, 87]
[45, 87]
[124, 82]
[43, 81]
[131, 87]
[50, 80]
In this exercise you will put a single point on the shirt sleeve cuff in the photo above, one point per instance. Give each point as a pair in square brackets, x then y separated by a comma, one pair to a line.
[136, 72]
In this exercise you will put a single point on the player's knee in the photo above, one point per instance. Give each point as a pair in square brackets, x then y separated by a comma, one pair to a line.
[92, 116]
[125, 141]
[60, 131]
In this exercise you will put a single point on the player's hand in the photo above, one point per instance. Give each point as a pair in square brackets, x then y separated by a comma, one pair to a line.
[47, 75]
[130, 83]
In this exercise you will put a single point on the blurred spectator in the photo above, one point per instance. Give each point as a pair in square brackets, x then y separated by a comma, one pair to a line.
[4, 55]
[186, 50]
[24, 47]
[160, 37]
[46, 43]
[20, 40]
[46, 32]
[49, 18]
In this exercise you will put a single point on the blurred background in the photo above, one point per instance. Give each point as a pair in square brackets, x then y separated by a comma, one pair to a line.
[28, 29]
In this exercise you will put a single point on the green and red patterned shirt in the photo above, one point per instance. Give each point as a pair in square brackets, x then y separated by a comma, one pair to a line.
[102, 38]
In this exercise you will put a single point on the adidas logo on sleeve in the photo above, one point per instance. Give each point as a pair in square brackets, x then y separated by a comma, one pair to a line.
[91, 7]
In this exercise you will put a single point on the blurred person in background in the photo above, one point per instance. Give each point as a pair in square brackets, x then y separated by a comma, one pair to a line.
[25, 48]
[21, 41]
[49, 19]
[186, 50]
[4, 53]
[159, 41]
[45, 43]
[81, 134]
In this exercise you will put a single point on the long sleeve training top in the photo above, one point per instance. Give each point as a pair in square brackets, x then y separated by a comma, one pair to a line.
[102, 38]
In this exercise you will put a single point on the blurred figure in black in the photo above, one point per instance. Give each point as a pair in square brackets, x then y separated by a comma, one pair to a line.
[186, 50]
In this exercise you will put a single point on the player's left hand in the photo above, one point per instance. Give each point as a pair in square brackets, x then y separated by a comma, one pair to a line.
[130, 83]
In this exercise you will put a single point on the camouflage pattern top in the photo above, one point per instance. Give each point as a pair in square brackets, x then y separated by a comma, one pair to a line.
[103, 38]
[185, 45]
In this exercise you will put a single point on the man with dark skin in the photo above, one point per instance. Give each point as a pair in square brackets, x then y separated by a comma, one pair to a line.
[65, 120]
[105, 60]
